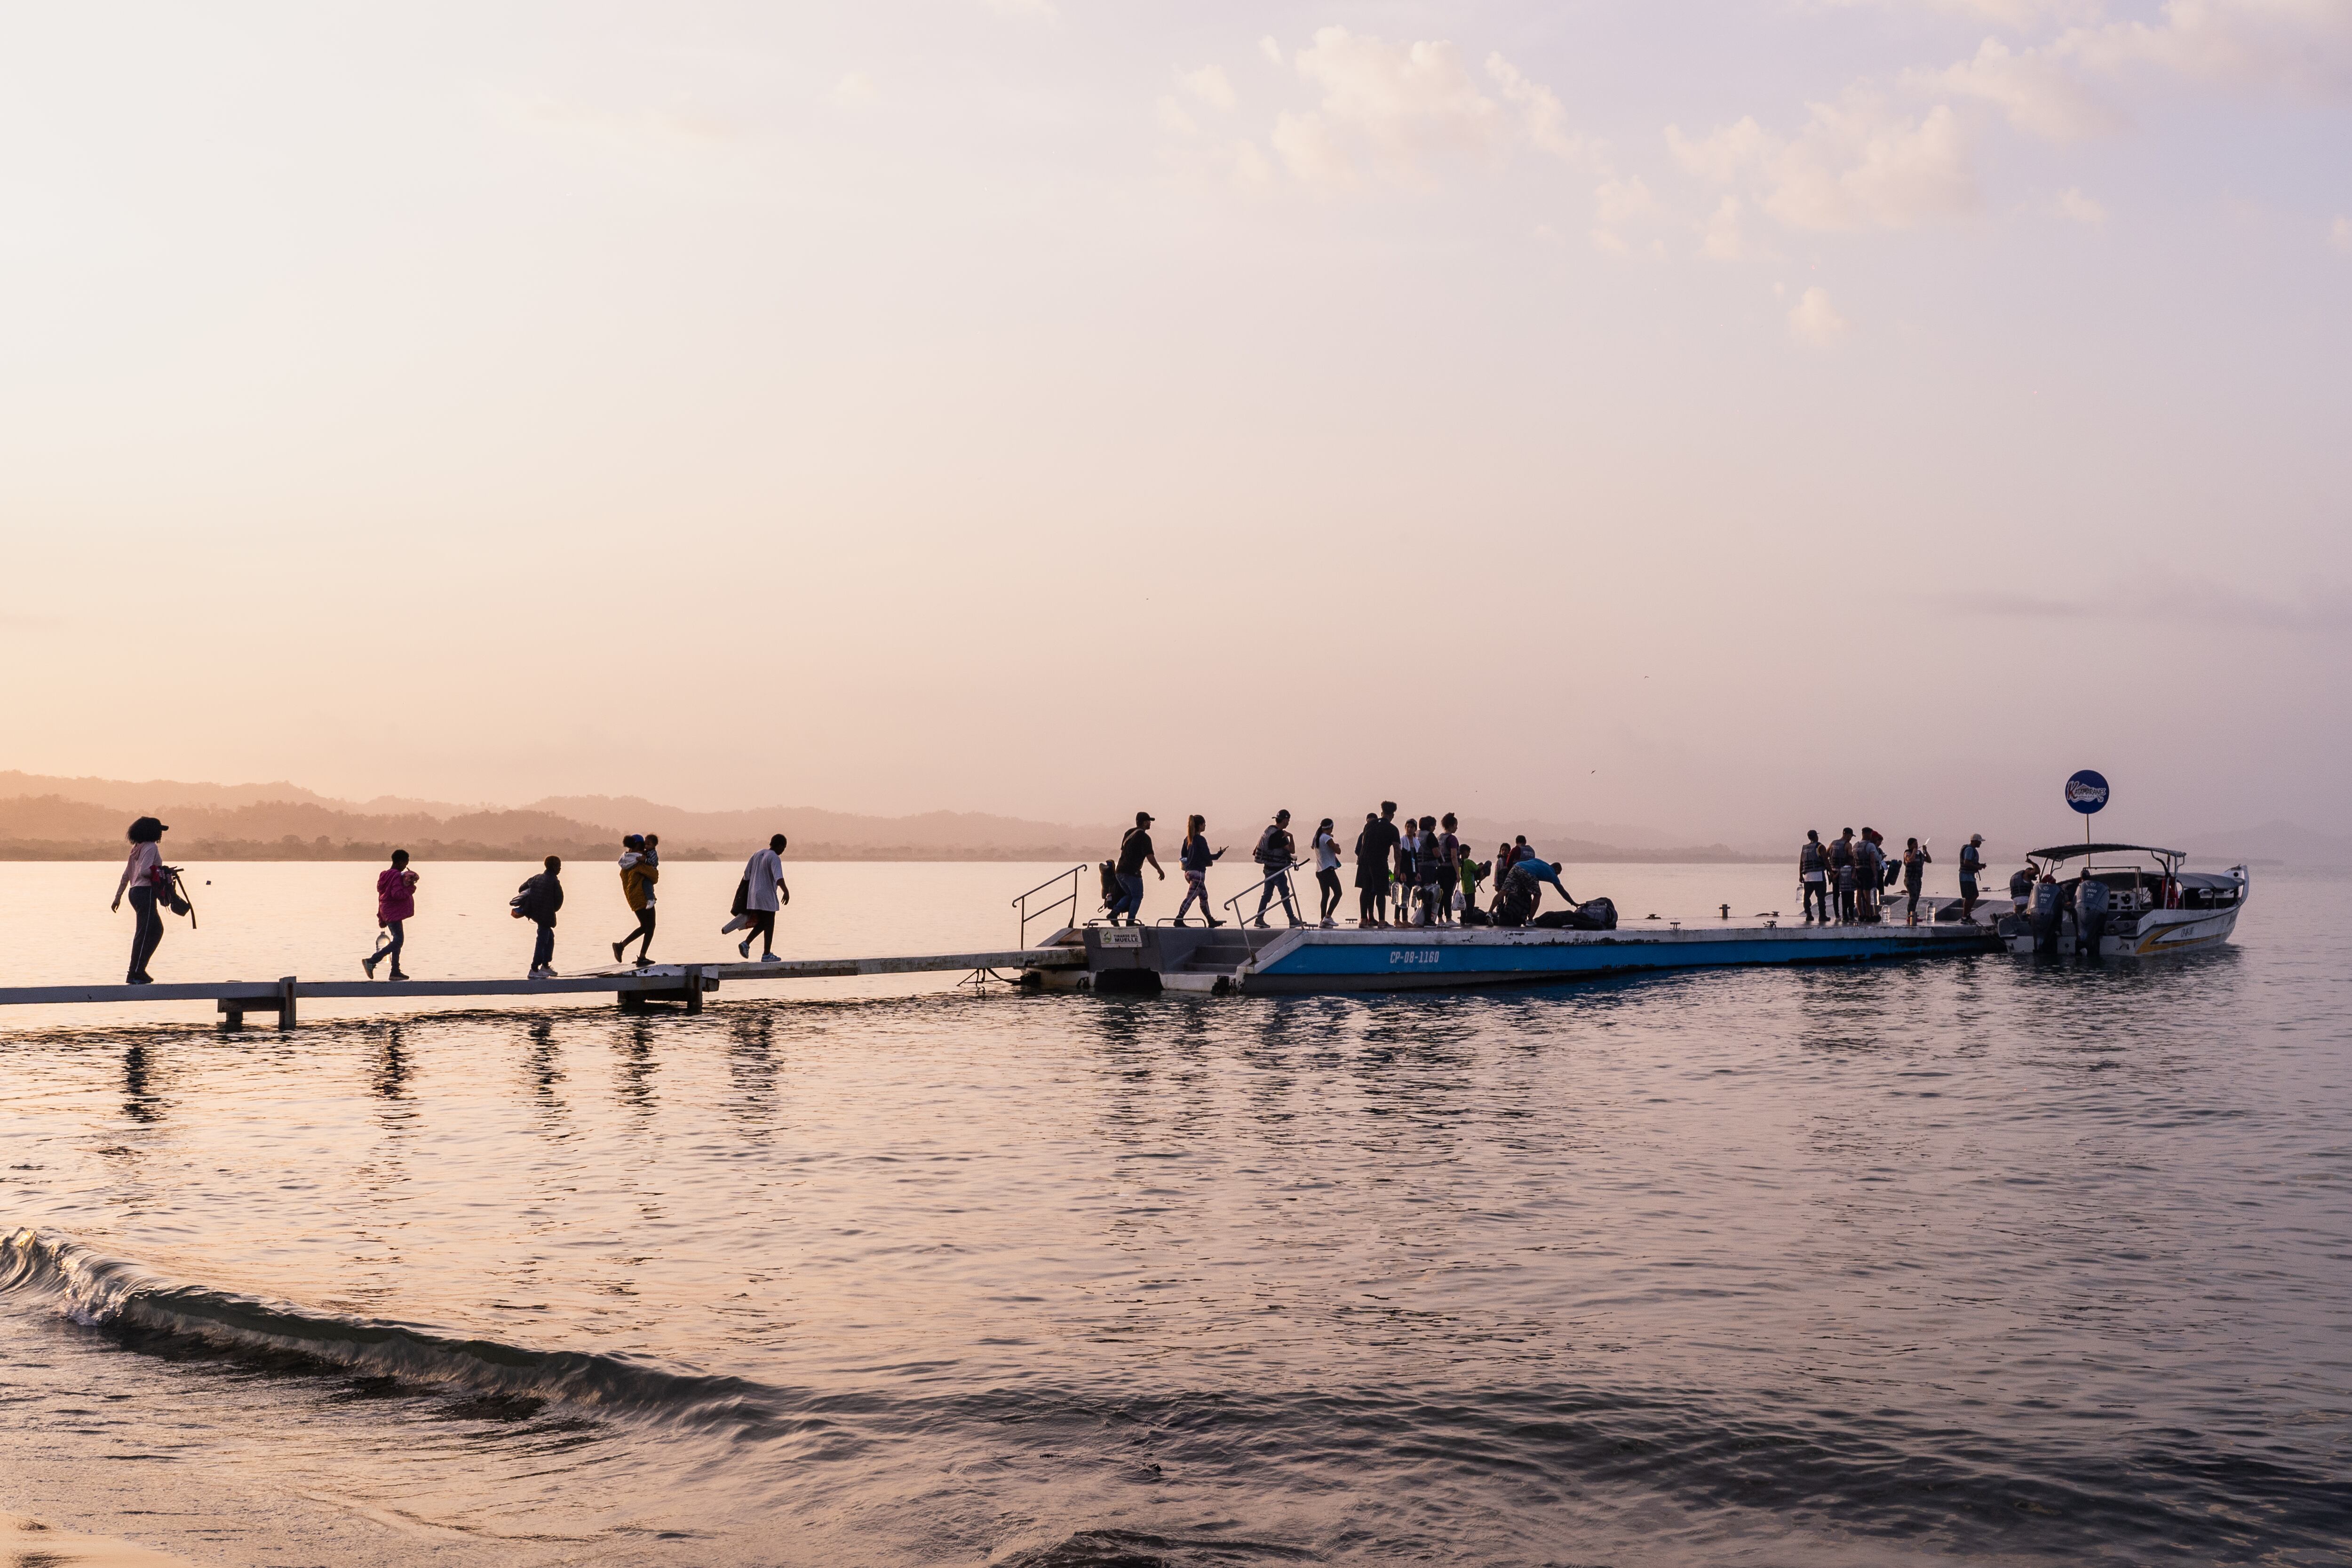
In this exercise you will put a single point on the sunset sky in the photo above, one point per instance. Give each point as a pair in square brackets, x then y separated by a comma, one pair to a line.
[1732, 418]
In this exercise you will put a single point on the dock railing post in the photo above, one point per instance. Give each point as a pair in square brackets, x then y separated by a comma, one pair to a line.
[286, 1001]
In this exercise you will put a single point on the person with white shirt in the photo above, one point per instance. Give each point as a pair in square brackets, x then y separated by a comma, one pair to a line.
[1326, 870]
[764, 892]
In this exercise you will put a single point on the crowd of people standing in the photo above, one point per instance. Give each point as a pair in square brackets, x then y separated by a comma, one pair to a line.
[1413, 872]
[1843, 882]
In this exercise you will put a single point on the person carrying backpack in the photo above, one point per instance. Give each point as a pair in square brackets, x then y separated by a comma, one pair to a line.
[1134, 853]
[537, 901]
[1277, 852]
[1915, 861]
[147, 879]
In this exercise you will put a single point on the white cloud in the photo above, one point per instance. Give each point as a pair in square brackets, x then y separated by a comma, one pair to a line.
[1210, 85]
[1725, 240]
[1394, 108]
[2035, 90]
[1619, 206]
[1270, 49]
[855, 88]
[1172, 118]
[1856, 165]
[1311, 150]
[2302, 46]
[2018, 14]
[2073, 204]
[1721, 156]
[1814, 322]
[1250, 169]
[1546, 120]
[2339, 238]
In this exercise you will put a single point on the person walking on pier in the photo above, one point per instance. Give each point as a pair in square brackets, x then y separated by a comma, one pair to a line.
[1915, 861]
[1278, 851]
[1812, 875]
[639, 870]
[764, 893]
[396, 906]
[1195, 857]
[1971, 868]
[1372, 847]
[1327, 873]
[537, 901]
[1134, 851]
[145, 878]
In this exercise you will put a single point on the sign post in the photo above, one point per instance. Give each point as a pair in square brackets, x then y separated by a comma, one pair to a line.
[2087, 792]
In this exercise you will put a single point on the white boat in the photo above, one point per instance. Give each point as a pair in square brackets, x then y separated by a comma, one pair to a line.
[2125, 901]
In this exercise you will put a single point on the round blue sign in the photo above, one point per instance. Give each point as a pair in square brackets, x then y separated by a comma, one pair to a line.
[2087, 792]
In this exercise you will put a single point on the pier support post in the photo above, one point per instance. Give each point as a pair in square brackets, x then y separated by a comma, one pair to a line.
[286, 1002]
[694, 988]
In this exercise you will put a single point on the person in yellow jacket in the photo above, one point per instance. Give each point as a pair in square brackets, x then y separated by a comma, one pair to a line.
[640, 870]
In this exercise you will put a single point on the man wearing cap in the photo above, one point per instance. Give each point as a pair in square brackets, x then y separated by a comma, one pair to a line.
[1972, 862]
[1134, 850]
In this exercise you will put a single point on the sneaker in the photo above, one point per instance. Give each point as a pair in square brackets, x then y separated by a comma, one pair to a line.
[1259, 922]
[367, 967]
[397, 975]
[768, 958]
[616, 950]
[1178, 920]
[1214, 925]
[744, 947]
[1328, 925]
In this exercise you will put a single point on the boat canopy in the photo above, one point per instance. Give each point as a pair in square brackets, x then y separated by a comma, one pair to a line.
[2071, 851]
[2211, 882]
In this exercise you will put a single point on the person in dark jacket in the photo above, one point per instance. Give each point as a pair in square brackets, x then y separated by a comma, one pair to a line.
[1971, 868]
[1134, 854]
[536, 901]
[1195, 857]
[1278, 851]
[1374, 844]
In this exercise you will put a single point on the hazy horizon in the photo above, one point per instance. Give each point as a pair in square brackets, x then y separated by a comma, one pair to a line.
[1741, 418]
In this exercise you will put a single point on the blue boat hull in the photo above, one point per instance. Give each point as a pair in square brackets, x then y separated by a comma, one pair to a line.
[1317, 960]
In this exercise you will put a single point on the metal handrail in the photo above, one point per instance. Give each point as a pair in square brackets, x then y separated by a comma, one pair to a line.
[1291, 906]
[1071, 898]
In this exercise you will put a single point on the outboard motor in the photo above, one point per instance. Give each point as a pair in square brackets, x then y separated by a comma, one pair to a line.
[2042, 914]
[2091, 916]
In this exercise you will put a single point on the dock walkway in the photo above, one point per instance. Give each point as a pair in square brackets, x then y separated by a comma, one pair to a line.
[631, 988]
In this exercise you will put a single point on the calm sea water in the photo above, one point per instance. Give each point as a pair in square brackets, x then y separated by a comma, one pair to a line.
[1984, 1259]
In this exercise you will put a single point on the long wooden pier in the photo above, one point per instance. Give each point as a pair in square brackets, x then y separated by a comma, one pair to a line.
[633, 988]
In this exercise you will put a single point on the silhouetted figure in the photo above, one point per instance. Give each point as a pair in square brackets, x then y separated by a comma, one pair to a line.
[536, 901]
[639, 870]
[764, 893]
[396, 906]
[146, 878]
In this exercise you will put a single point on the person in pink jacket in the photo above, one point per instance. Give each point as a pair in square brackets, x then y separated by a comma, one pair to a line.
[396, 904]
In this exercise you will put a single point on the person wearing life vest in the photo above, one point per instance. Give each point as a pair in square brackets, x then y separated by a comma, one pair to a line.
[1842, 873]
[1812, 875]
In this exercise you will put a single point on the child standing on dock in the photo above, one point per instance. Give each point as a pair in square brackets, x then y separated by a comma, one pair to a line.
[537, 901]
[639, 870]
[396, 905]
[1195, 857]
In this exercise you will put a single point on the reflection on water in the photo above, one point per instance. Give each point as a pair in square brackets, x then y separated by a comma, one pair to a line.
[1978, 1259]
